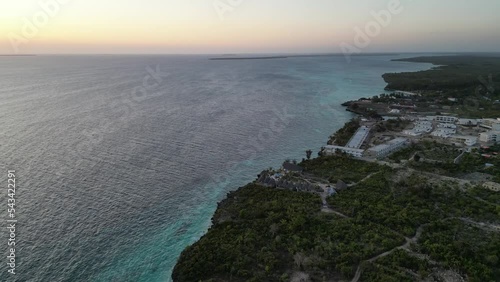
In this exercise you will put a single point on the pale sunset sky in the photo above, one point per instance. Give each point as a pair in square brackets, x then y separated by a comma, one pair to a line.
[243, 26]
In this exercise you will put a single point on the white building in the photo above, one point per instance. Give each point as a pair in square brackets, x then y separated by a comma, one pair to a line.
[423, 126]
[419, 128]
[445, 119]
[467, 140]
[490, 136]
[444, 132]
[468, 122]
[405, 93]
[411, 132]
[447, 125]
[358, 138]
[385, 149]
[332, 150]
[490, 121]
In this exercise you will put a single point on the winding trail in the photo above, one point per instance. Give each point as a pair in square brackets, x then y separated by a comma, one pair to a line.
[414, 239]
[405, 246]
[368, 176]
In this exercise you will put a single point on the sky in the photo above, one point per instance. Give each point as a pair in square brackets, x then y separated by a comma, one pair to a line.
[247, 26]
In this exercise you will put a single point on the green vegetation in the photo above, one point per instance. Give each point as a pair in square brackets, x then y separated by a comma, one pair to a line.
[402, 259]
[404, 154]
[406, 205]
[402, 206]
[470, 162]
[397, 125]
[431, 151]
[490, 196]
[473, 80]
[391, 223]
[400, 265]
[343, 135]
[340, 167]
[377, 272]
[458, 76]
[263, 234]
[439, 158]
[459, 245]
[267, 234]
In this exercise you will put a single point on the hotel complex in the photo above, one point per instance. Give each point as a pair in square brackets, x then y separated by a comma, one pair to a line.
[451, 130]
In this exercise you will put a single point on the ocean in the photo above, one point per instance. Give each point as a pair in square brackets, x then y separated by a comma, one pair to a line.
[120, 160]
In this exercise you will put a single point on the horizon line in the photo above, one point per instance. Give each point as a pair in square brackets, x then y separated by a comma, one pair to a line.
[258, 53]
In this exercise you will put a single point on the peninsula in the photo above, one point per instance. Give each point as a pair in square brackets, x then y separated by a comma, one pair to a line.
[407, 191]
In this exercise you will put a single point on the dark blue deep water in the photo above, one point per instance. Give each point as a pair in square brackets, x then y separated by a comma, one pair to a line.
[120, 167]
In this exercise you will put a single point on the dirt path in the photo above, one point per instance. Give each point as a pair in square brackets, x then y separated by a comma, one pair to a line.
[405, 246]
[329, 210]
[414, 239]
[482, 225]
[368, 176]
[484, 201]
[326, 208]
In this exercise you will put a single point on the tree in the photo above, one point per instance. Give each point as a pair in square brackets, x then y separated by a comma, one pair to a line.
[273, 229]
[308, 154]
[298, 258]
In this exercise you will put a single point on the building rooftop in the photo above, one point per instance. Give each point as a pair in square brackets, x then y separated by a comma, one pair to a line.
[333, 147]
[358, 138]
[465, 137]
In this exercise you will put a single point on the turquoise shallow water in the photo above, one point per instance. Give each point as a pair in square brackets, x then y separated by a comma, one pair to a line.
[114, 183]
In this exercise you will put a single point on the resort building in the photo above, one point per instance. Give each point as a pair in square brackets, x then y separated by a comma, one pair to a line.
[445, 119]
[467, 140]
[411, 132]
[420, 128]
[385, 149]
[353, 146]
[444, 132]
[405, 93]
[468, 122]
[490, 136]
[359, 137]
[332, 150]
[490, 123]
[447, 125]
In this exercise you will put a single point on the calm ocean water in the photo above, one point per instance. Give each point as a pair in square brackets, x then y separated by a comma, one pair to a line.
[121, 160]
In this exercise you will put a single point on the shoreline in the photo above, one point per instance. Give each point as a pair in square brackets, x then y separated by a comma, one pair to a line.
[265, 180]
